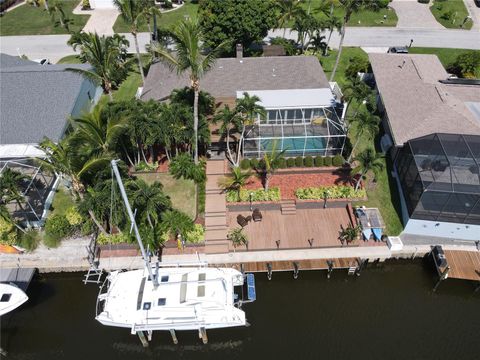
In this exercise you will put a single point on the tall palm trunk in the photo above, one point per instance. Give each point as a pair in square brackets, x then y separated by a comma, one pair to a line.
[353, 149]
[195, 118]
[139, 58]
[359, 181]
[328, 42]
[45, 4]
[267, 180]
[240, 142]
[339, 52]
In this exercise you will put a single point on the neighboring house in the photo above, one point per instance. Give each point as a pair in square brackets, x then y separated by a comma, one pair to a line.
[303, 114]
[432, 126]
[36, 102]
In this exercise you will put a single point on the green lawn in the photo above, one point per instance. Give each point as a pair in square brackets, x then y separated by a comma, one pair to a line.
[181, 192]
[30, 20]
[328, 62]
[165, 21]
[62, 201]
[446, 56]
[451, 14]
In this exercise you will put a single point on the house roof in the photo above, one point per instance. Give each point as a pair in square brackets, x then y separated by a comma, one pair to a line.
[36, 99]
[229, 75]
[416, 103]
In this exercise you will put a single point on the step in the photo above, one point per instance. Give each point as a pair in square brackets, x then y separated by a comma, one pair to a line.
[215, 214]
[216, 227]
[216, 235]
[215, 221]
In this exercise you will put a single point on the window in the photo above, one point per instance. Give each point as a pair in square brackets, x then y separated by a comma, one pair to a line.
[162, 301]
[147, 305]
[5, 297]
[164, 278]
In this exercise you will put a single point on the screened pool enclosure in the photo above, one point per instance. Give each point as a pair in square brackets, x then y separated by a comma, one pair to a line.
[306, 122]
[440, 177]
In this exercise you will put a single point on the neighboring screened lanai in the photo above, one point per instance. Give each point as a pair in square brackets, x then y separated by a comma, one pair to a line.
[301, 122]
[440, 177]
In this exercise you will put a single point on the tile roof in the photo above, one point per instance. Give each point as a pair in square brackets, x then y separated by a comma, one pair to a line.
[230, 75]
[36, 100]
[416, 103]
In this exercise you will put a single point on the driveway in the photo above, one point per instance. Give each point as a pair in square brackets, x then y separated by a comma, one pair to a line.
[412, 14]
[101, 21]
[474, 12]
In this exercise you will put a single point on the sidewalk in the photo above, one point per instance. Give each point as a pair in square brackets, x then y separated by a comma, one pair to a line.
[474, 12]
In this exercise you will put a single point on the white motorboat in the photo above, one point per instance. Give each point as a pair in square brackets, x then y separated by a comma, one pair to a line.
[11, 297]
[174, 296]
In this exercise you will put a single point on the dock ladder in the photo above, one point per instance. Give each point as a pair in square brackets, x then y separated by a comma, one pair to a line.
[94, 274]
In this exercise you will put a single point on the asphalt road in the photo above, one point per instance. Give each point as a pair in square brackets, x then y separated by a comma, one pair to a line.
[55, 46]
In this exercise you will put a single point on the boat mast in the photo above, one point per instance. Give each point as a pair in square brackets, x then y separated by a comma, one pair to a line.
[134, 223]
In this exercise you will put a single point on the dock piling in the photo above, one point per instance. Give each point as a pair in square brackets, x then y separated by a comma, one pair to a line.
[149, 335]
[443, 276]
[295, 270]
[143, 339]
[330, 268]
[174, 336]
[203, 335]
[269, 271]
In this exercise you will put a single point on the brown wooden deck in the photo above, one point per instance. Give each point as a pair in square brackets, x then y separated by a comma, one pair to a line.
[463, 264]
[315, 264]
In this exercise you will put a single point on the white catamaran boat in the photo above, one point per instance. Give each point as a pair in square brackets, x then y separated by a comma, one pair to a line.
[174, 296]
[11, 297]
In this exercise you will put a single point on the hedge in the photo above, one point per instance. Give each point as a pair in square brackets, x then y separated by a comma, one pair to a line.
[273, 194]
[282, 163]
[318, 161]
[245, 164]
[327, 161]
[57, 227]
[308, 161]
[332, 192]
[299, 161]
[197, 235]
[253, 163]
[290, 162]
[110, 239]
[337, 160]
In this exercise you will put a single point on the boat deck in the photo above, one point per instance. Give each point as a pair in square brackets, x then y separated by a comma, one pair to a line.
[463, 264]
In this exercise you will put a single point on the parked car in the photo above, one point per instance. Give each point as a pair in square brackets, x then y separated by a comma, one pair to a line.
[398, 50]
[477, 2]
[43, 61]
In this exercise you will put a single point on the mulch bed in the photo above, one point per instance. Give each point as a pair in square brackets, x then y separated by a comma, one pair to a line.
[288, 183]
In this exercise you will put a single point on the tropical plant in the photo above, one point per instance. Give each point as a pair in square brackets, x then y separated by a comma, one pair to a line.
[368, 160]
[269, 165]
[349, 234]
[350, 7]
[366, 125]
[189, 57]
[288, 10]
[466, 65]
[134, 13]
[235, 22]
[56, 228]
[273, 194]
[332, 192]
[307, 26]
[106, 54]
[237, 237]
[56, 11]
[317, 42]
[355, 65]
[356, 91]
[331, 23]
[182, 166]
[11, 182]
[235, 180]
[177, 223]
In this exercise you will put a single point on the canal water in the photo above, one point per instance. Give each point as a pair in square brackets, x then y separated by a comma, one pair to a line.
[389, 312]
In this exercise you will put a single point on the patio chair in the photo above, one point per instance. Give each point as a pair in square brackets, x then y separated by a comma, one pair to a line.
[257, 215]
[242, 221]
[248, 218]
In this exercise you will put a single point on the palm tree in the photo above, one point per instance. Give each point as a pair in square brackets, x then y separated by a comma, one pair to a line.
[317, 41]
[106, 54]
[150, 201]
[5, 215]
[176, 223]
[187, 39]
[182, 166]
[10, 186]
[288, 11]
[350, 7]
[250, 110]
[134, 12]
[270, 164]
[368, 160]
[57, 9]
[231, 121]
[235, 180]
[306, 25]
[366, 125]
[331, 23]
[356, 90]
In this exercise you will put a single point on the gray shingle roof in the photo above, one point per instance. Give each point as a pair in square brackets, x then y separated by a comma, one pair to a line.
[36, 100]
[229, 75]
[7, 61]
[416, 103]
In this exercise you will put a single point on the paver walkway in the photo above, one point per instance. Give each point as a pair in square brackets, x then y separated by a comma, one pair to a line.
[412, 14]
[474, 12]
[100, 21]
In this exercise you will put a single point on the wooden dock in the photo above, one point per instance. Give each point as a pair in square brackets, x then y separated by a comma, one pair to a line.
[19, 276]
[463, 264]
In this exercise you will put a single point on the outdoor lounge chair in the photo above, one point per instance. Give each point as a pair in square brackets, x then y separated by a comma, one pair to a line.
[367, 234]
[242, 221]
[377, 234]
[257, 215]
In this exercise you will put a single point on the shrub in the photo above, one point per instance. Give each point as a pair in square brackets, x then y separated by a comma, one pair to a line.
[29, 240]
[238, 237]
[299, 161]
[143, 166]
[290, 162]
[318, 161]
[110, 239]
[282, 163]
[327, 161]
[308, 161]
[337, 160]
[73, 216]
[423, 1]
[245, 164]
[8, 232]
[332, 192]
[196, 235]
[273, 194]
[57, 227]
[254, 163]
[87, 227]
